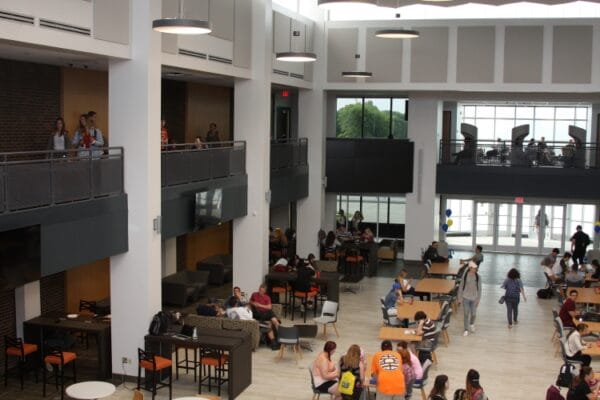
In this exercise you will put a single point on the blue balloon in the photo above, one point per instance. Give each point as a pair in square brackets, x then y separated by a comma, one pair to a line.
[445, 227]
[597, 229]
[448, 212]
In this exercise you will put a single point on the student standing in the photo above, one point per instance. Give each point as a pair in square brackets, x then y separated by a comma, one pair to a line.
[513, 290]
[469, 293]
[579, 242]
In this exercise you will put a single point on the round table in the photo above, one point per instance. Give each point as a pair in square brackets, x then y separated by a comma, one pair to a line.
[90, 390]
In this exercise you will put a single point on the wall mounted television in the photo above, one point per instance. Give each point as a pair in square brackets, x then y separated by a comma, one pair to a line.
[20, 257]
[209, 208]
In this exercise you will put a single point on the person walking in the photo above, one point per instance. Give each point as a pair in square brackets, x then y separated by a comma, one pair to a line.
[579, 242]
[469, 294]
[513, 290]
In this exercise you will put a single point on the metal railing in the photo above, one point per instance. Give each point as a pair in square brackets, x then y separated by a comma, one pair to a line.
[504, 153]
[187, 163]
[287, 153]
[35, 179]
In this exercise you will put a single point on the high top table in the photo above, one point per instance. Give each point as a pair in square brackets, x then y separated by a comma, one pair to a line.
[90, 390]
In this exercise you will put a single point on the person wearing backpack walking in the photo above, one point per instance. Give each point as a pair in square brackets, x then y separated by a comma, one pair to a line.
[469, 293]
[352, 374]
[514, 289]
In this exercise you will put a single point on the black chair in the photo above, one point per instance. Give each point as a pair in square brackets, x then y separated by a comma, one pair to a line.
[154, 364]
[217, 364]
[15, 347]
[58, 359]
[87, 308]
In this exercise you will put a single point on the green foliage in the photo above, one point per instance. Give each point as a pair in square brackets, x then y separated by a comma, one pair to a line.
[349, 122]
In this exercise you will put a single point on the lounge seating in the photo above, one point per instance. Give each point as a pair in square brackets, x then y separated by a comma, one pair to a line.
[184, 287]
[220, 268]
[388, 249]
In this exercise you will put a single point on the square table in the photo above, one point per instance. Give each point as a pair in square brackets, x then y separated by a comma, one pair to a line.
[407, 310]
[593, 326]
[586, 295]
[436, 286]
[593, 350]
[448, 268]
[397, 334]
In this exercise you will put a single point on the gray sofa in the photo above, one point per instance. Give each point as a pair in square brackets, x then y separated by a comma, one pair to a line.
[220, 268]
[184, 287]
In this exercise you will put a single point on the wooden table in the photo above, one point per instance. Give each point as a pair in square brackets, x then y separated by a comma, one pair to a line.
[593, 350]
[585, 295]
[397, 334]
[445, 268]
[588, 277]
[437, 286]
[407, 310]
[592, 326]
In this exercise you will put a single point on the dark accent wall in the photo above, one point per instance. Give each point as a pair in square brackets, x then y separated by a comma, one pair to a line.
[52, 291]
[173, 108]
[369, 166]
[178, 203]
[7, 321]
[76, 234]
[515, 181]
[29, 104]
[288, 185]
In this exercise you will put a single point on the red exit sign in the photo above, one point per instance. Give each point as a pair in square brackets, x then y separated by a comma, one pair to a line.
[519, 200]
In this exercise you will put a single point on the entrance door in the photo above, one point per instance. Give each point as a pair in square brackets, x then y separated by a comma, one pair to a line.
[534, 223]
[506, 234]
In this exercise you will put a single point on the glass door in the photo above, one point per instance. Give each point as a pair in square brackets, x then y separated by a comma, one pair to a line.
[554, 235]
[534, 223]
[507, 227]
[485, 224]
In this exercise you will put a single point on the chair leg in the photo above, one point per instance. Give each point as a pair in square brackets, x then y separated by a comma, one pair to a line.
[325, 330]
[177, 362]
[44, 372]
[281, 348]
[434, 357]
[171, 379]
[335, 329]
[62, 382]
[423, 396]
[21, 366]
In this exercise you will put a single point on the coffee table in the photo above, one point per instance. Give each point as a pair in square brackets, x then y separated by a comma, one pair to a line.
[90, 390]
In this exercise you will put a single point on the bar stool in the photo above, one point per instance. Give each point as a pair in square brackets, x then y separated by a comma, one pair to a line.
[186, 364]
[87, 308]
[154, 364]
[217, 361]
[284, 288]
[353, 258]
[58, 359]
[15, 347]
[305, 296]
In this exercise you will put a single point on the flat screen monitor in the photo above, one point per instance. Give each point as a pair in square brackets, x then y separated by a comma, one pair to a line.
[20, 260]
[209, 208]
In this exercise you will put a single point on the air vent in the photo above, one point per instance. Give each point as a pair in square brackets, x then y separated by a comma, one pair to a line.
[299, 76]
[280, 72]
[16, 17]
[65, 27]
[220, 59]
[190, 53]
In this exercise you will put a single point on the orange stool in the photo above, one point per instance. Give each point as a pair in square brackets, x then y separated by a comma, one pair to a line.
[154, 364]
[217, 360]
[284, 289]
[305, 296]
[58, 359]
[15, 347]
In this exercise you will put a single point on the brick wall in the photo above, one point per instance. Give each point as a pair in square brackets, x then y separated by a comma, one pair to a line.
[173, 108]
[29, 104]
[52, 293]
[7, 321]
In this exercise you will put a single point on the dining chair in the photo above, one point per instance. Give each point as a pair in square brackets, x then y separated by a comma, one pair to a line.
[57, 360]
[15, 347]
[154, 364]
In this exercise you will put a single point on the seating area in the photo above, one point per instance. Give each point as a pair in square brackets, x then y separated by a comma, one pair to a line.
[184, 287]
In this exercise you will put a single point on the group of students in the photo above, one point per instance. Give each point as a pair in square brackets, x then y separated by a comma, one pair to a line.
[561, 270]
[87, 137]
[393, 373]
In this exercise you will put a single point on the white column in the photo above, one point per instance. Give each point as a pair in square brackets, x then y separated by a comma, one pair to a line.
[27, 304]
[252, 100]
[134, 120]
[422, 205]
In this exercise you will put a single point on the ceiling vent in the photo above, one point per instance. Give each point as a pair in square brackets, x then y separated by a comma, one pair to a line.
[65, 27]
[191, 53]
[8, 16]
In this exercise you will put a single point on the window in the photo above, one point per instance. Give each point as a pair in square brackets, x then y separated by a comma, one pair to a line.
[552, 122]
[382, 211]
[371, 118]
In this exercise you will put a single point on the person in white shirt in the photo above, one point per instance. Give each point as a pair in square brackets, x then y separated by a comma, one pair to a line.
[574, 345]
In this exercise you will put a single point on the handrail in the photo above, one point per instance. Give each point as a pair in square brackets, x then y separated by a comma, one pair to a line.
[205, 146]
[528, 154]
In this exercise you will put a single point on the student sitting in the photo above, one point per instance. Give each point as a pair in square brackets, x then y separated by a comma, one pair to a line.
[407, 289]
[432, 255]
[574, 277]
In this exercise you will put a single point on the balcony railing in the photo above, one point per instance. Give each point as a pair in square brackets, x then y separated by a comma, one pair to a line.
[45, 178]
[187, 163]
[288, 153]
[504, 153]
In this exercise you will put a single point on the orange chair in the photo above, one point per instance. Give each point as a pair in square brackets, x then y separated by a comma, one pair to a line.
[282, 289]
[305, 296]
[15, 347]
[58, 359]
[353, 258]
[218, 361]
[154, 364]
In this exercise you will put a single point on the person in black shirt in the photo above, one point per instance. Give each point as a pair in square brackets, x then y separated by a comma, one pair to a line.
[579, 241]
[432, 255]
[580, 388]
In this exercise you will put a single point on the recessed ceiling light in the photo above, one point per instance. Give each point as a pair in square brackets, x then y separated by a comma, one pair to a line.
[339, 4]
[357, 74]
[397, 33]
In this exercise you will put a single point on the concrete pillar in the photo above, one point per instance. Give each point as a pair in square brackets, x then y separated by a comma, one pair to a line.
[134, 121]
[422, 205]
[252, 110]
[27, 304]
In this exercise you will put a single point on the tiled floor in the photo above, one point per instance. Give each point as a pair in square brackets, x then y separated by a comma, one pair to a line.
[514, 364]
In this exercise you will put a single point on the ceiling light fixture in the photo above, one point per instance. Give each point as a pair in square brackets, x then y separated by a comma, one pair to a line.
[397, 33]
[339, 4]
[296, 56]
[357, 74]
[182, 26]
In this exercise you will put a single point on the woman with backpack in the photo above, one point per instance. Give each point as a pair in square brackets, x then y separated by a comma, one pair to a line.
[514, 289]
[474, 389]
[580, 388]
[469, 293]
[353, 363]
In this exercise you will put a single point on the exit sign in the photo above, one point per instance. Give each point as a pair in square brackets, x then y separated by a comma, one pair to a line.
[519, 200]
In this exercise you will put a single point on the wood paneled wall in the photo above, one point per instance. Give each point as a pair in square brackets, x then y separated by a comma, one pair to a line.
[88, 282]
[84, 90]
[206, 243]
[206, 104]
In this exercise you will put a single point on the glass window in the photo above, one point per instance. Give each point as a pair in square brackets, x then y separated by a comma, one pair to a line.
[542, 128]
[525, 112]
[565, 113]
[348, 121]
[505, 112]
[581, 113]
[485, 112]
[561, 131]
[485, 129]
[469, 112]
[544, 112]
[383, 210]
[397, 210]
[353, 206]
[376, 118]
[399, 122]
[369, 208]
[504, 129]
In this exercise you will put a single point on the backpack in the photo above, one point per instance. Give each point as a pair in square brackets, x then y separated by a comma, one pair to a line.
[544, 293]
[159, 324]
[565, 375]
[553, 393]
[347, 381]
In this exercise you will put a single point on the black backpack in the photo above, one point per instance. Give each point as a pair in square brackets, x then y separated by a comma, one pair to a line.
[159, 324]
[545, 293]
[565, 375]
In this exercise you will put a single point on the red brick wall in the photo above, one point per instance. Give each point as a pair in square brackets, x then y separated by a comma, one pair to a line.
[29, 104]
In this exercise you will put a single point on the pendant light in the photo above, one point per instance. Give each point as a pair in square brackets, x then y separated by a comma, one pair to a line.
[357, 74]
[182, 26]
[340, 4]
[397, 33]
[296, 56]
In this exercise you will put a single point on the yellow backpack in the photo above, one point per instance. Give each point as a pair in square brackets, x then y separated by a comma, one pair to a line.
[347, 381]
